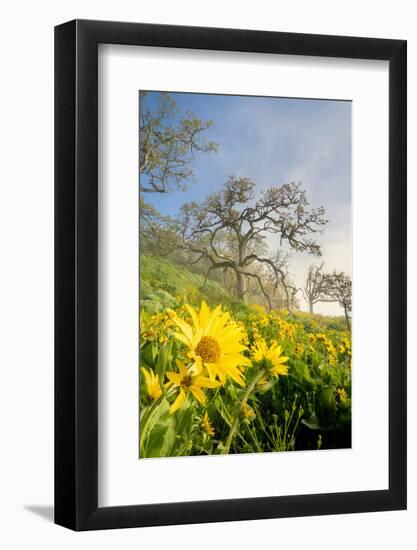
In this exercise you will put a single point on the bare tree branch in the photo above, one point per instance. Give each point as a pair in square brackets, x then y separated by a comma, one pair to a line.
[168, 144]
[340, 289]
[316, 287]
[229, 230]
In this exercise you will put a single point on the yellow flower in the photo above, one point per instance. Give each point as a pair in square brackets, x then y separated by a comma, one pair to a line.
[347, 343]
[152, 384]
[342, 394]
[188, 381]
[270, 357]
[331, 350]
[248, 412]
[299, 349]
[286, 329]
[208, 428]
[214, 342]
[264, 320]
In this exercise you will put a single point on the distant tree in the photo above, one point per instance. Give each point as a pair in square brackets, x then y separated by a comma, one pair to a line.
[168, 142]
[282, 295]
[158, 234]
[229, 230]
[316, 287]
[152, 224]
[340, 290]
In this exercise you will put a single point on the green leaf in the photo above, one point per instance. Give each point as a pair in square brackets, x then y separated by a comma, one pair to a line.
[161, 439]
[220, 448]
[184, 421]
[310, 423]
[146, 428]
[148, 355]
[164, 357]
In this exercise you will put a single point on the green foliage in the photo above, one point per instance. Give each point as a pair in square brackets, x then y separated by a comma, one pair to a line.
[166, 285]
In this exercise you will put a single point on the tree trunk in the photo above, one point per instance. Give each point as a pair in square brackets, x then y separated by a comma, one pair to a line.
[347, 318]
[311, 306]
[241, 286]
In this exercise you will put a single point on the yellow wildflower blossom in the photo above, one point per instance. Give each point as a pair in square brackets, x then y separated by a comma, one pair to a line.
[270, 357]
[299, 349]
[187, 381]
[214, 341]
[152, 384]
[248, 412]
[286, 329]
[342, 394]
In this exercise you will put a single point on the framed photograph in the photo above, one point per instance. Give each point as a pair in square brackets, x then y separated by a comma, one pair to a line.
[230, 254]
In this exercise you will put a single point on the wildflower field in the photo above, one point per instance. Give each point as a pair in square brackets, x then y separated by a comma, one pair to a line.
[244, 226]
[222, 378]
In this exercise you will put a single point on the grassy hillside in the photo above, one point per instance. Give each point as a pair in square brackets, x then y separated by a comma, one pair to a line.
[164, 284]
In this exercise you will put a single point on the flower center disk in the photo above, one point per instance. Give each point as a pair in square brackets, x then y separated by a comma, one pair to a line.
[208, 349]
[186, 382]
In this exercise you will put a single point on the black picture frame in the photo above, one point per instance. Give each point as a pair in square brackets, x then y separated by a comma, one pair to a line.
[76, 272]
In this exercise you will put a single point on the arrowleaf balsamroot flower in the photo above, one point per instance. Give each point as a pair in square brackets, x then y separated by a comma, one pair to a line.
[152, 384]
[188, 381]
[343, 396]
[214, 341]
[270, 358]
[248, 412]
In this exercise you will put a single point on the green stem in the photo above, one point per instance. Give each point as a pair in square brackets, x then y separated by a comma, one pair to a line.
[245, 397]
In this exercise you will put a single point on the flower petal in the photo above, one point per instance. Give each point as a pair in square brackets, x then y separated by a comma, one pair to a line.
[193, 316]
[198, 394]
[147, 376]
[185, 328]
[182, 369]
[174, 377]
[182, 338]
[203, 382]
[178, 402]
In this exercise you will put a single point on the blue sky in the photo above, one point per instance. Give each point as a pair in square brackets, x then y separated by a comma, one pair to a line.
[274, 141]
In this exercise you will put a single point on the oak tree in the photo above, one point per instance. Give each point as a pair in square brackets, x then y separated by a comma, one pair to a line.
[340, 290]
[230, 229]
[316, 287]
[168, 142]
